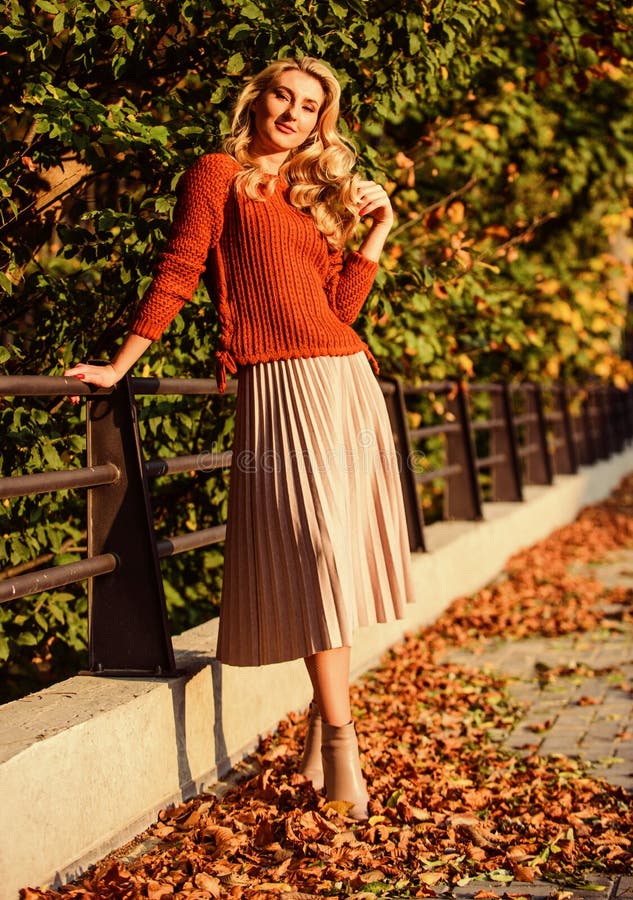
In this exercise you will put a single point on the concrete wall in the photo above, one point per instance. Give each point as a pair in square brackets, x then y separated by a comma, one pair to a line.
[86, 764]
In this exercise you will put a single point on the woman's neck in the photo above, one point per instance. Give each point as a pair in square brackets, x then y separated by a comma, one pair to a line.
[269, 163]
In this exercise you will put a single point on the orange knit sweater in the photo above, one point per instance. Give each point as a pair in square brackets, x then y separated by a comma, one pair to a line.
[279, 289]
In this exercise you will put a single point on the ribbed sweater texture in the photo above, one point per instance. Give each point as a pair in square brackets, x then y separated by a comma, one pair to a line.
[280, 291]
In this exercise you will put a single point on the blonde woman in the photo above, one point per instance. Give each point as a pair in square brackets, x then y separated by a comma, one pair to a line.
[316, 541]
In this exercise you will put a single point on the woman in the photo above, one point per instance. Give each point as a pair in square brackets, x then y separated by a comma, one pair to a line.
[316, 538]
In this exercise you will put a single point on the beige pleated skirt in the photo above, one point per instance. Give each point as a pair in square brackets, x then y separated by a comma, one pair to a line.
[316, 542]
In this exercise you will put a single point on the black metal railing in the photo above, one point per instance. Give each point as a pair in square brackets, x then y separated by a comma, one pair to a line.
[496, 438]
[533, 432]
[128, 629]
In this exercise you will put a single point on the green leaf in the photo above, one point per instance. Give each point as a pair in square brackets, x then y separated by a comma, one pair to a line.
[240, 31]
[338, 10]
[26, 639]
[159, 133]
[6, 283]
[48, 7]
[250, 11]
[235, 64]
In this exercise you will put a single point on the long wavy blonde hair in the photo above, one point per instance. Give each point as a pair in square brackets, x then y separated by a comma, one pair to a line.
[319, 171]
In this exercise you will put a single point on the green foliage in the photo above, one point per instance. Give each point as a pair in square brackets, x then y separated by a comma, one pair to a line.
[502, 131]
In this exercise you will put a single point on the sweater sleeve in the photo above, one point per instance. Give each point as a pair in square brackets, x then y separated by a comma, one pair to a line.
[348, 283]
[196, 228]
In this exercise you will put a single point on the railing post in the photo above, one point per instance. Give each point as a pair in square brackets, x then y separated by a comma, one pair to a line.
[616, 412]
[462, 494]
[565, 460]
[506, 478]
[628, 408]
[595, 426]
[396, 407]
[127, 614]
[606, 423]
[538, 465]
[589, 453]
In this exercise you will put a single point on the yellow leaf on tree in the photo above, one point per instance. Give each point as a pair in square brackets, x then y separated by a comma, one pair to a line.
[602, 369]
[620, 381]
[455, 212]
[599, 323]
[466, 364]
[549, 287]
[403, 161]
[567, 342]
[534, 338]
[585, 299]
[561, 311]
[600, 346]
[576, 321]
[466, 142]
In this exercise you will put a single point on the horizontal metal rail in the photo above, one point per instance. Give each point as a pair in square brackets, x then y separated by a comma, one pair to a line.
[47, 386]
[184, 542]
[69, 385]
[525, 418]
[181, 386]
[56, 576]
[195, 462]
[528, 449]
[487, 424]
[433, 430]
[59, 480]
[490, 387]
[493, 460]
[424, 477]
[429, 387]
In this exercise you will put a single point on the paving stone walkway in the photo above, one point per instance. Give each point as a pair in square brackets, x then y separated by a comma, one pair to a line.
[578, 697]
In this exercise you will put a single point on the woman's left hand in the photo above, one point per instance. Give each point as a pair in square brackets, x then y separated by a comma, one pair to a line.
[373, 201]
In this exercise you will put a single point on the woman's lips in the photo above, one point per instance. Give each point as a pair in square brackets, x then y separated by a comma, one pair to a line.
[287, 129]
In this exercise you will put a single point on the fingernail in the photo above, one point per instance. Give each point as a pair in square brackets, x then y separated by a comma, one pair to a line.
[80, 376]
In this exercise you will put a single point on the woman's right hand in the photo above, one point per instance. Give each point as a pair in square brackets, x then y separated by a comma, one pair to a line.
[101, 376]
[131, 350]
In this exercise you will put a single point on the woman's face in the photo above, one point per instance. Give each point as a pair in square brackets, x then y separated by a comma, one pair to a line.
[287, 112]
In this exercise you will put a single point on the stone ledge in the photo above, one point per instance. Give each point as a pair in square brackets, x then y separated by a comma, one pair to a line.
[86, 764]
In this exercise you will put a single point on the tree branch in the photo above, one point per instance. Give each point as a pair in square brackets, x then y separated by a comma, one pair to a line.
[67, 546]
[429, 209]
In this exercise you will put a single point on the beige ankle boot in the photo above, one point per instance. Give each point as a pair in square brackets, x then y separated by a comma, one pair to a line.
[311, 765]
[341, 768]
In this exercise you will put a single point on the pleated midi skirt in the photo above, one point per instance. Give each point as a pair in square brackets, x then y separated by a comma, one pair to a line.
[316, 541]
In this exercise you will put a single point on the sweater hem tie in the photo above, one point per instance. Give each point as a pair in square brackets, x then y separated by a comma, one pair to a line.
[224, 360]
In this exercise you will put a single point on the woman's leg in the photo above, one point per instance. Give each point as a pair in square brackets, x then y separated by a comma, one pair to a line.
[329, 674]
